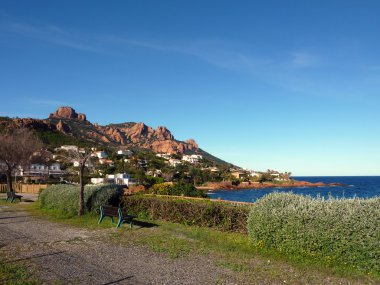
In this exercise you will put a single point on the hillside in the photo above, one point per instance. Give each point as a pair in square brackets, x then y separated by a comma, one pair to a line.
[66, 126]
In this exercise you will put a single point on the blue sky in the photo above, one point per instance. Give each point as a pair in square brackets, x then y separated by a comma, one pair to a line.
[286, 85]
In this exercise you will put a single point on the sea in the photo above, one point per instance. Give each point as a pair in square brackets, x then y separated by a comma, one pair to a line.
[355, 186]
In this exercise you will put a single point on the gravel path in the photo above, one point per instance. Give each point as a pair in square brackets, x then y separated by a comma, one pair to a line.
[65, 255]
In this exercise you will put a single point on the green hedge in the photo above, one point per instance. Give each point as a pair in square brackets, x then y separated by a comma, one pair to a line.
[223, 216]
[65, 198]
[178, 189]
[344, 231]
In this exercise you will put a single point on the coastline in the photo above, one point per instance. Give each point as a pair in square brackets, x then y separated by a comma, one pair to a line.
[256, 185]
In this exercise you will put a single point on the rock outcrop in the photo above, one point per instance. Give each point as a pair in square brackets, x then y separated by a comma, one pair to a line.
[67, 121]
[162, 134]
[41, 125]
[68, 113]
[139, 132]
[63, 127]
[114, 134]
[192, 144]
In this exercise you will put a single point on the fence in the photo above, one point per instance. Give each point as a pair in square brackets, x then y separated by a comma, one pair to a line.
[24, 188]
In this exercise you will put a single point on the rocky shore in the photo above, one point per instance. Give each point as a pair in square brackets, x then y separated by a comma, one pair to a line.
[227, 185]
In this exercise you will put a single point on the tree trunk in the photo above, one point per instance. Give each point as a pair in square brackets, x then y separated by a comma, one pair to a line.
[81, 199]
[9, 180]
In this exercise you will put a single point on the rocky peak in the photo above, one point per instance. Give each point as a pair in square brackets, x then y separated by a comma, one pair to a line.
[68, 113]
[140, 129]
[162, 133]
[192, 144]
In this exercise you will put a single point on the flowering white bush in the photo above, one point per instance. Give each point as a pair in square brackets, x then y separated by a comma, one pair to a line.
[344, 231]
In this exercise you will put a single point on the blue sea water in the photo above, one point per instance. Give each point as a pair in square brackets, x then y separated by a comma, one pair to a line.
[356, 186]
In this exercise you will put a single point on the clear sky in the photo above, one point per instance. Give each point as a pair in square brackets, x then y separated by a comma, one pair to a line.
[286, 85]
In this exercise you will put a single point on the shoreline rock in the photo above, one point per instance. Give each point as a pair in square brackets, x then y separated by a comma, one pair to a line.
[256, 185]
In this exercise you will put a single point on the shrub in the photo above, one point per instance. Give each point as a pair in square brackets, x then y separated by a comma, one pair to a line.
[136, 188]
[346, 231]
[161, 188]
[178, 189]
[223, 216]
[65, 198]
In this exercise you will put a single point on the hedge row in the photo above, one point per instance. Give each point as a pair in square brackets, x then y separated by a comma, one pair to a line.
[204, 213]
[346, 231]
[178, 189]
[65, 198]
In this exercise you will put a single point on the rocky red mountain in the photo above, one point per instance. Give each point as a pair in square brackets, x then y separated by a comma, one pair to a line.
[68, 122]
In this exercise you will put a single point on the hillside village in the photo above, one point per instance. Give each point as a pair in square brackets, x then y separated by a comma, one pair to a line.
[130, 168]
[129, 154]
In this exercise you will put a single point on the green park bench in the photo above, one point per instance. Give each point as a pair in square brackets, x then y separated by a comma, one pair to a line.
[11, 196]
[109, 211]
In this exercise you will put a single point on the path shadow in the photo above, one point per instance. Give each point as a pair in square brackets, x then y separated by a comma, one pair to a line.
[37, 256]
[26, 200]
[13, 217]
[117, 281]
[144, 224]
[15, 222]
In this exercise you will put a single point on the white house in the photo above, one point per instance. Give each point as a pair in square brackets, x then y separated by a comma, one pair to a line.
[238, 174]
[98, 180]
[154, 173]
[193, 158]
[126, 152]
[119, 179]
[101, 154]
[214, 169]
[39, 169]
[163, 155]
[55, 168]
[174, 162]
[69, 147]
[253, 173]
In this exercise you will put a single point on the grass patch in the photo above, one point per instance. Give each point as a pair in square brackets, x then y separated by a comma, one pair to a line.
[235, 266]
[88, 220]
[16, 274]
[174, 247]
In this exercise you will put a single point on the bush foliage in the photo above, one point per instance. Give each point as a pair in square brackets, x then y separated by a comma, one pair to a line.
[225, 217]
[178, 189]
[346, 231]
[65, 198]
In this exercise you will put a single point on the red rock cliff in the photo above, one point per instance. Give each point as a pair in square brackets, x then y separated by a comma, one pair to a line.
[68, 113]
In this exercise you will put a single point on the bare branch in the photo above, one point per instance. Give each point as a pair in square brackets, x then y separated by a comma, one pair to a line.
[16, 150]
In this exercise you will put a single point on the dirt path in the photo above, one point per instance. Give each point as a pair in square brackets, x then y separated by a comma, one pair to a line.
[64, 255]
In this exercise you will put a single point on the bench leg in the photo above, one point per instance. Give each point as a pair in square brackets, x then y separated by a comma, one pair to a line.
[121, 221]
[101, 219]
